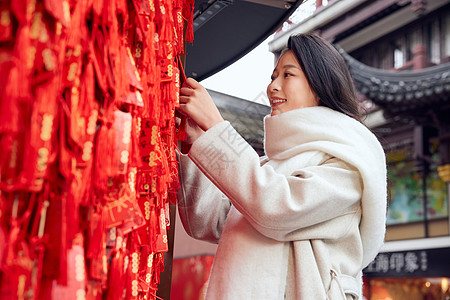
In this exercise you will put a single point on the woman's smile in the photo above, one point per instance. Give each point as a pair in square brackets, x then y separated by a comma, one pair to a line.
[277, 101]
[289, 88]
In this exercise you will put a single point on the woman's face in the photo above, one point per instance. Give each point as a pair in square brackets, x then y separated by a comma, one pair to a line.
[289, 88]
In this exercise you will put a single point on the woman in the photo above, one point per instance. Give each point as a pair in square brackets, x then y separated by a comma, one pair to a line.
[304, 221]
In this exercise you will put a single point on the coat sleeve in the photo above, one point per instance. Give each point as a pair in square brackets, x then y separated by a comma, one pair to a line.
[202, 206]
[278, 206]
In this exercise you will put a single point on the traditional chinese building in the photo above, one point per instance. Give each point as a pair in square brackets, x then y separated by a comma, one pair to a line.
[398, 52]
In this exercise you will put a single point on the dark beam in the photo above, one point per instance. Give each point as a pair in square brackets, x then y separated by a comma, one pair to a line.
[352, 20]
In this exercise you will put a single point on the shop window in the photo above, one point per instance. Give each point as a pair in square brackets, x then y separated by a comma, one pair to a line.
[408, 193]
[434, 288]
[408, 275]
[405, 187]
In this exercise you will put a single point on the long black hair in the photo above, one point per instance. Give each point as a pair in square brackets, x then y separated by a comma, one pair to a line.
[326, 72]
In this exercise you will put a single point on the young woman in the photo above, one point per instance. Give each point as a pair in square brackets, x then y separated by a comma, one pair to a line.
[302, 222]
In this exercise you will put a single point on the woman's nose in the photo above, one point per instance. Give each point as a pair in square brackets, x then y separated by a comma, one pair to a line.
[274, 85]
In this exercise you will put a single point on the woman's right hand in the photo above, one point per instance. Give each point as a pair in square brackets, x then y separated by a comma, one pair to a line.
[193, 131]
[196, 103]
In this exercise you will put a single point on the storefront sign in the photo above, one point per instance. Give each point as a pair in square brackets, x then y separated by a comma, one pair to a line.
[414, 263]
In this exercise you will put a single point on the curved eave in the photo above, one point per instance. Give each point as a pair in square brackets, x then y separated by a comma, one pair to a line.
[401, 90]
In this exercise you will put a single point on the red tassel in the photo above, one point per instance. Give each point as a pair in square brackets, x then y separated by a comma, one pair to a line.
[94, 290]
[188, 15]
[64, 250]
[78, 32]
[136, 160]
[104, 155]
[40, 147]
[73, 200]
[16, 279]
[121, 8]
[158, 267]
[22, 11]
[133, 267]
[9, 104]
[97, 246]
[19, 81]
[76, 276]
[190, 27]
[98, 9]
[116, 283]
[65, 158]
[10, 101]
[181, 132]
[96, 234]
[58, 10]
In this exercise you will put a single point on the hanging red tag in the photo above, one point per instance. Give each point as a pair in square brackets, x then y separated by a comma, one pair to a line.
[60, 10]
[145, 13]
[116, 282]
[132, 73]
[145, 270]
[94, 290]
[105, 166]
[161, 240]
[122, 127]
[11, 150]
[97, 246]
[72, 66]
[6, 27]
[167, 69]
[77, 277]
[16, 279]
[147, 232]
[188, 14]
[124, 213]
[132, 272]
[40, 147]
[150, 146]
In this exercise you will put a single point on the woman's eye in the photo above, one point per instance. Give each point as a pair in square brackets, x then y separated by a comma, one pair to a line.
[272, 78]
[287, 74]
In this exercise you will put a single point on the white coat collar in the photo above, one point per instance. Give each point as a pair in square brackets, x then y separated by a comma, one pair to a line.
[323, 129]
[284, 133]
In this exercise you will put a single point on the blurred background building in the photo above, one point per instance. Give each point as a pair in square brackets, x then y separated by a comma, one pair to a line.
[398, 52]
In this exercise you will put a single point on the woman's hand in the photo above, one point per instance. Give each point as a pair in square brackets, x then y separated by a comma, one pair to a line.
[193, 131]
[197, 104]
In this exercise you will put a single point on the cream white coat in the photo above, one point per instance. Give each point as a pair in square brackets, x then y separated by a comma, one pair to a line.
[300, 224]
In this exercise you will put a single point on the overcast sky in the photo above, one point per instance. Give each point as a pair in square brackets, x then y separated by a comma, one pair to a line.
[248, 77]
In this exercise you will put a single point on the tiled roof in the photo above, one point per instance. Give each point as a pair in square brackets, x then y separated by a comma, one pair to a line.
[402, 92]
